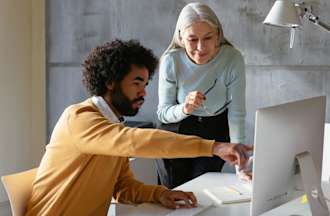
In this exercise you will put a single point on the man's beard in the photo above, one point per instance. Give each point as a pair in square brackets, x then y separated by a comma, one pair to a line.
[123, 104]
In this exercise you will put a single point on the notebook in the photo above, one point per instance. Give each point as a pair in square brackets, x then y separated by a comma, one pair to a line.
[229, 194]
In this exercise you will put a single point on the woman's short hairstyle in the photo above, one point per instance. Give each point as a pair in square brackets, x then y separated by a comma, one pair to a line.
[112, 61]
[191, 13]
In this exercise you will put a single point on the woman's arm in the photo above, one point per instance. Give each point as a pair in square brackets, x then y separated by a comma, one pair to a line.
[168, 111]
[236, 91]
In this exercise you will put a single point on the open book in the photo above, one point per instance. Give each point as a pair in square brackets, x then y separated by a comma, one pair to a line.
[229, 194]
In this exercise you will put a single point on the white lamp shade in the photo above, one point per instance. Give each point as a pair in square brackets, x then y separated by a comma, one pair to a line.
[283, 14]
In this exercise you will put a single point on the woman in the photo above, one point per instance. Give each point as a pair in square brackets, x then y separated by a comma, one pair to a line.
[202, 88]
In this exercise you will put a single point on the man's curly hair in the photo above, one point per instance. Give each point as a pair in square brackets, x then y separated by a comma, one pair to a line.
[112, 61]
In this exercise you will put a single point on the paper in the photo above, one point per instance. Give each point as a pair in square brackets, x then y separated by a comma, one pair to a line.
[189, 211]
[228, 194]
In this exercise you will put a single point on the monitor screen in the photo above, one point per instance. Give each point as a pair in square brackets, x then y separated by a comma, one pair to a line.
[282, 132]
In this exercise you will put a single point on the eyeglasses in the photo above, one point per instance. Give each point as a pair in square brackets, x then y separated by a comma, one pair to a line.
[221, 108]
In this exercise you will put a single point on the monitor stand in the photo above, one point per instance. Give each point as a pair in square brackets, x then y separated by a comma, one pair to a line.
[312, 185]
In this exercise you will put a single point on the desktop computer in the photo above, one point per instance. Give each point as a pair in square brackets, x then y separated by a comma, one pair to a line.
[281, 133]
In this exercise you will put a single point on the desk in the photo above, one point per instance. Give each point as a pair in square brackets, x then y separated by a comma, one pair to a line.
[208, 180]
[196, 185]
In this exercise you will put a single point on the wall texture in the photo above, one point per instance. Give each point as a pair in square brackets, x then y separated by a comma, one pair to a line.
[22, 83]
[275, 73]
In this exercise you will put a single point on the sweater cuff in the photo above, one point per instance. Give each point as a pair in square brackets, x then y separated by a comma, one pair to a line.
[206, 147]
[179, 112]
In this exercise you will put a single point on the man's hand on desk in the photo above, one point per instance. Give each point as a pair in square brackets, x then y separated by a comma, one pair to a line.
[245, 175]
[235, 154]
[177, 199]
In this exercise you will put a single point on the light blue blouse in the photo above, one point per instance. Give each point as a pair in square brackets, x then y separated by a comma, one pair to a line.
[178, 76]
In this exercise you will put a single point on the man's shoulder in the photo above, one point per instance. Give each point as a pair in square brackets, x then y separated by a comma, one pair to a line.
[83, 106]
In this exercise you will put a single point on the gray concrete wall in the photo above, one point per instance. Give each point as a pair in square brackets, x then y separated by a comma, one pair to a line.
[275, 73]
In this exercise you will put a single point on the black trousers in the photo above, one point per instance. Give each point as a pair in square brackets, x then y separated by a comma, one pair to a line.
[174, 172]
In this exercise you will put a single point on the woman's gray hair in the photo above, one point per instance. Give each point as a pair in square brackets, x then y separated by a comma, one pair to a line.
[191, 13]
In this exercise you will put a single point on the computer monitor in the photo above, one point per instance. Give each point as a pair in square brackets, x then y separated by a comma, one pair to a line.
[326, 154]
[282, 132]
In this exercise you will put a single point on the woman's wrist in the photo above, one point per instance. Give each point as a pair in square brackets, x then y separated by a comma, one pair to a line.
[185, 111]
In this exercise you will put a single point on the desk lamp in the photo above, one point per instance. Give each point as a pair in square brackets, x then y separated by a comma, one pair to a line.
[286, 13]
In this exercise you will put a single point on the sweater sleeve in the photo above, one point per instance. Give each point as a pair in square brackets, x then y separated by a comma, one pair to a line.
[236, 91]
[168, 111]
[92, 133]
[129, 190]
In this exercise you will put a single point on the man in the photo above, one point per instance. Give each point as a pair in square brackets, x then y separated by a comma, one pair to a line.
[86, 163]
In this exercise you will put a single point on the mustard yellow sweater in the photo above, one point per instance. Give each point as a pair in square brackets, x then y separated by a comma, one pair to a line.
[86, 164]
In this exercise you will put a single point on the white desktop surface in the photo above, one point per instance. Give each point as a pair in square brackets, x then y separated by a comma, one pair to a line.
[295, 206]
[196, 185]
[213, 180]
